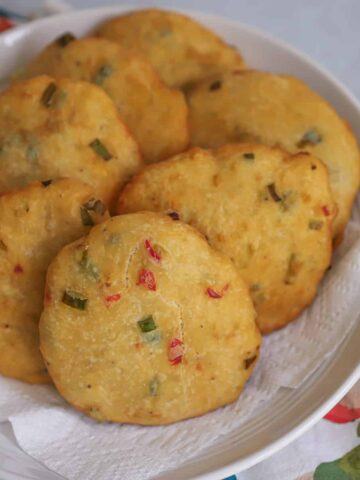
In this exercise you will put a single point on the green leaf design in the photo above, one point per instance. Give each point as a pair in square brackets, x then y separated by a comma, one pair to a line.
[350, 463]
[345, 468]
[330, 471]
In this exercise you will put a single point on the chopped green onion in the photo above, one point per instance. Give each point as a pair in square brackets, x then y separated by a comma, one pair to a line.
[248, 156]
[249, 361]
[87, 266]
[86, 217]
[48, 95]
[100, 149]
[74, 300]
[114, 239]
[315, 224]
[96, 206]
[65, 39]
[311, 137]
[102, 73]
[292, 269]
[31, 153]
[152, 337]
[154, 386]
[274, 195]
[174, 215]
[287, 200]
[147, 324]
[255, 287]
[3, 246]
[257, 294]
[215, 85]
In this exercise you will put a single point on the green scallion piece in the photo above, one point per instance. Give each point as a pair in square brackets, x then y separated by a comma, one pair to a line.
[100, 149]
[86, 217]
[114, 239]
[74, 300]
[288, 199]
[48, 95]
[96, 206]
[292, 269]
[154, 386]
[249, 361]
[153, 337]
[88, 267]
[147, 324]
[215, 85]
[248, 156]
[102, 73]
[65, 39]
[273, 193]
[311, 137]
[255, 287]
[32, 153]
[315, 224]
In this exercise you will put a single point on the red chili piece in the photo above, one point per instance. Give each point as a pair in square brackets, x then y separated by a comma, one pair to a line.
[18, 269]
[147, 279]
[152, 252]
[214, 294]
[326, 210]
[112, 298]
[176, 351]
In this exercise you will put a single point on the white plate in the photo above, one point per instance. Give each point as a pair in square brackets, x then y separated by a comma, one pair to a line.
[292, 411]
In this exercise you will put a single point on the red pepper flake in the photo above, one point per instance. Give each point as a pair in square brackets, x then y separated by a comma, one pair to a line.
[18, 269]
[147, 279]
[152, 252]
[326, 210]
[176, 351]
[214, 294]
[112, 298]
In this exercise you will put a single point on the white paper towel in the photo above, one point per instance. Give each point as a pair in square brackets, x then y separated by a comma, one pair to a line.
[79, 449]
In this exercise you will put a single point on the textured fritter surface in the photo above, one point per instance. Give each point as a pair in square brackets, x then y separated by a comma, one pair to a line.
[278, 110]
[165, 331]
[181, 50]
[34, 224]
[61, 128]
[155, 113]
[270, 212]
